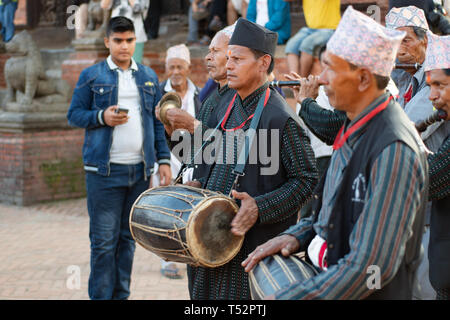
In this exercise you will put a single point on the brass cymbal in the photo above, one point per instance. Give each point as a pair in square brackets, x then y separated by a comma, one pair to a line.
[169, 101]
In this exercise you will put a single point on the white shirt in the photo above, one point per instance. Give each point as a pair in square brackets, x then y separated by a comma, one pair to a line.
[127, 138]
[392, 88]
[320, 148]
[262, 12]
[187, 104]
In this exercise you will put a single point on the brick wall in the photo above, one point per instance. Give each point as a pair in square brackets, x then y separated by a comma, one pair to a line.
[78, 61]
[41, 166]
[156, 60]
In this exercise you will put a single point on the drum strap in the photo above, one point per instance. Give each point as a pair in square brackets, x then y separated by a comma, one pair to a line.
[246, 146]
[185, 166]
[249, 137]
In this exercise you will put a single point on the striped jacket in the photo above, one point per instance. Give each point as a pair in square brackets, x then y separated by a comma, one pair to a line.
[376, 222]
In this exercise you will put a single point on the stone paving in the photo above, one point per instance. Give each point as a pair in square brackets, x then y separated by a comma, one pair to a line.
[44, 247]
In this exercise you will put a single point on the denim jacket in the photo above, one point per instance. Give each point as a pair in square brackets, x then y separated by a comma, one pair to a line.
[96, 90]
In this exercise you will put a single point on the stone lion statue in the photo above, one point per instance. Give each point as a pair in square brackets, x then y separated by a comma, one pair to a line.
[28, 88]
[97, 17]
[97, 20]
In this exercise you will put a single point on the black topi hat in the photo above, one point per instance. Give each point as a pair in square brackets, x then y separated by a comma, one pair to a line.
[254, 36]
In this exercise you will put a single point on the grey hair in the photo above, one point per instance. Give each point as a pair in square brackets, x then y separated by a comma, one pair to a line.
[420, 32]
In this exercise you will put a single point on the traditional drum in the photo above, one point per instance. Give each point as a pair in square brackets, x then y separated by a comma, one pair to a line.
[278, 272]
[186, 224]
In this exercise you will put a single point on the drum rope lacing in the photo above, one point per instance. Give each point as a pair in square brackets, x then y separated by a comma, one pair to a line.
[180, 249]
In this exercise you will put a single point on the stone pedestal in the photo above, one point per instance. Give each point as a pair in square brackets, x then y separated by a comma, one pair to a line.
[40, 158]
[88, 51]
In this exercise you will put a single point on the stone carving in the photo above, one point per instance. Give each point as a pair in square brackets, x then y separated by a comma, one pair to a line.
[28, 87]
[95, 15]
[97, 20]
[48, 12]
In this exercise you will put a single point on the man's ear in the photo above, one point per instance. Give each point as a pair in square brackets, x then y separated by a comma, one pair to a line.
[365, 79]
[425, 40]
[106, 41]
[266, 60]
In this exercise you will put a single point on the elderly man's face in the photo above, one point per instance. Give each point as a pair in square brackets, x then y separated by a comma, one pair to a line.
[216, 59]
[412, 49]
[440, 90]
[340, 81]
[177, 71]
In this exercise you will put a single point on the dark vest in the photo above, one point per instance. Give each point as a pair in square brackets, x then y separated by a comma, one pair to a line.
[274, 116]
[439, 247]
[219, 101]
[387, 127]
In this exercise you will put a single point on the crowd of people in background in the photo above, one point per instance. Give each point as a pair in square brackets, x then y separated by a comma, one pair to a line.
[206, 17]
[357, 74]
[302, 47]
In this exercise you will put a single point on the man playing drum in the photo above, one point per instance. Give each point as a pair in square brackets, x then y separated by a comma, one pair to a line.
[414, 98]
[368, 212]
[268, 201]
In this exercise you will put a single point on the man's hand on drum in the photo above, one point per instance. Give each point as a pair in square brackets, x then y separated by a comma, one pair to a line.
[309, 87]
[165, 175]
[286, 244]
[195, 184]
[247, 215]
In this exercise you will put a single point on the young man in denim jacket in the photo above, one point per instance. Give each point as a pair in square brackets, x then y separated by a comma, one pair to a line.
[114, 101]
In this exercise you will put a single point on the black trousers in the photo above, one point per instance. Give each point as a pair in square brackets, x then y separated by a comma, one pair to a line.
[151, 23]
[425, 5]
[218, 8]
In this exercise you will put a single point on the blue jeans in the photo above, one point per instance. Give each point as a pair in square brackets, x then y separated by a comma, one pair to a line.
[306, 40]
[192, 27]
[7, 12]
[109, 200]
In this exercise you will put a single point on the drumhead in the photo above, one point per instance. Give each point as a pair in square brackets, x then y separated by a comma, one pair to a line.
[208, 232]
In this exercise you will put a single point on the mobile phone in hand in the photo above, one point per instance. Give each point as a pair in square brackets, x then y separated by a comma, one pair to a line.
[121, 110]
